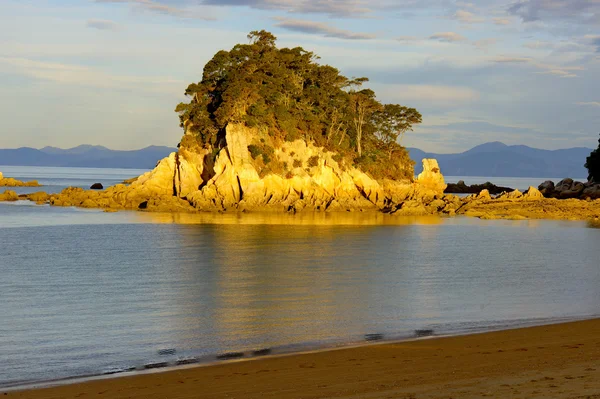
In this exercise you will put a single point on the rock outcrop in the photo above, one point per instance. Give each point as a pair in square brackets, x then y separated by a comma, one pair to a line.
[9, 196]
[229, 179]
[10, 182]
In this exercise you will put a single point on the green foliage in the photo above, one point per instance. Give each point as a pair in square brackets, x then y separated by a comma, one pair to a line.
[297, 163]
[313, 161]
[287, 93]
[592, 163]
[263, 150]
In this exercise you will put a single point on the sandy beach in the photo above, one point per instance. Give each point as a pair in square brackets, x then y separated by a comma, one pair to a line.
[555, 361]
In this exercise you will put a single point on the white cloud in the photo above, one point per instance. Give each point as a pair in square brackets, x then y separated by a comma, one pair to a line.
[319, 28]
[467, 17]
[158, 7]
[450, 37]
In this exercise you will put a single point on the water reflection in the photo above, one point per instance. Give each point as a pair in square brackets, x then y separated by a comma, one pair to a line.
[268, 218]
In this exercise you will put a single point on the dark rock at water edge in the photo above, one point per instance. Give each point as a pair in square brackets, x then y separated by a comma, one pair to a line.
[97, 186]
[569, 188]
[462, 188]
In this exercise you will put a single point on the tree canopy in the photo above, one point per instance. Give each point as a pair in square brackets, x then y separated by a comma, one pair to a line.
[293, 96]
[592, 163]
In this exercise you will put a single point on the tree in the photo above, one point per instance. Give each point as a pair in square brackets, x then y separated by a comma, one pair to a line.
[363, 106]
[288, 95]
[392, 122]
[592, 163]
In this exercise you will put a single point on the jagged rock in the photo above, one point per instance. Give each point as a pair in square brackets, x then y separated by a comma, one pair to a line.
[97, 186]
[533, 193]
[39, 197]
[547, 188]
[484, 195]
[431, 176]
[1, 176]
[9, 195]
[513, 195]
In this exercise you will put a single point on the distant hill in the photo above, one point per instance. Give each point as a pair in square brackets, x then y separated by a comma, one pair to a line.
[88, 156]
[500, 160]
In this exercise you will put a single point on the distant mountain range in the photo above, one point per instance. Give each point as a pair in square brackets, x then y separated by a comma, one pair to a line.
[90, 156]
[490, 159]
[500, 160]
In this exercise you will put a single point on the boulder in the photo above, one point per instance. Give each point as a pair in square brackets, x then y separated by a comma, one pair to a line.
[567, 188]
[97, 186]
[1, 176]
[547, 188]
[591, 191]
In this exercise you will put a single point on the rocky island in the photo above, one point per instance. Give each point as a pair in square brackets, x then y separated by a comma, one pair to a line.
[10, 182]
[270, 129]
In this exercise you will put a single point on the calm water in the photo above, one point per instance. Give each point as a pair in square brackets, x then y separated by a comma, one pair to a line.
[56, 179]
[83, 291]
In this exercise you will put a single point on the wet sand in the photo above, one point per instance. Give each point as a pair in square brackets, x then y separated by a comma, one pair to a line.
[556, 361]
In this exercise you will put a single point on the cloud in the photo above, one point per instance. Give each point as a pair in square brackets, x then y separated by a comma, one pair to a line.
[449, 37]
[593, 40]
[158, 7]
[319, 28]
[80, 75]
[546, 69]
[484, 44]
[439, 94]
[501, 21]
[558, 72]
[467, 17]
[577, 11]
[102, 24]
[589, 103]
[343, 8]
[511, 60]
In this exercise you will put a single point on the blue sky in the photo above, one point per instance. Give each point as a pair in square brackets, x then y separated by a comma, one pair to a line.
[110, 72]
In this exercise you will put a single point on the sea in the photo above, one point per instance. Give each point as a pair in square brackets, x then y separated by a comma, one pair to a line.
[86, 293]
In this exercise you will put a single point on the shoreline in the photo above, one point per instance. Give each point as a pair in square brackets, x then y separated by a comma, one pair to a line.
[65, 386]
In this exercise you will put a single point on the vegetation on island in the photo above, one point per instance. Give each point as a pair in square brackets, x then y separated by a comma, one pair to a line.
[592, 163]
[286, 92]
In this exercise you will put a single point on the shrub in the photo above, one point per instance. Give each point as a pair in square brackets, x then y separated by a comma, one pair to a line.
[313, 161]
[297, 163]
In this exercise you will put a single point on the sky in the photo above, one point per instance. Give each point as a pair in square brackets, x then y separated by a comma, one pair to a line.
[110, 72]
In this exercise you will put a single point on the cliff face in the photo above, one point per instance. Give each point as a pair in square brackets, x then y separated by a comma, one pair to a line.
[234, 180]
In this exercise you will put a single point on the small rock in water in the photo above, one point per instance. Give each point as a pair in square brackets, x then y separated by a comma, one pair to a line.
[187, 360]
[169, 351]
[373, 337]
[97, 186]
[423, 333]
[230, 355]
[261, 352]
[156, 365]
